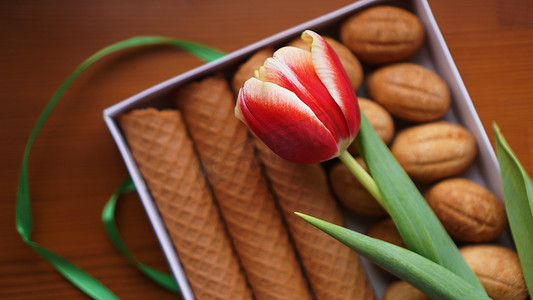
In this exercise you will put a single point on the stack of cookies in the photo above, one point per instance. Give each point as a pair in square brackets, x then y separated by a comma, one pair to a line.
[228, 202]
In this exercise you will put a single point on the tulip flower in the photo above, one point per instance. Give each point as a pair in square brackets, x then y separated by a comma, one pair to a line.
[301, 104]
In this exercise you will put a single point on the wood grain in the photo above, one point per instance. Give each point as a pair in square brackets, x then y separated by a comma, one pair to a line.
[75, 165]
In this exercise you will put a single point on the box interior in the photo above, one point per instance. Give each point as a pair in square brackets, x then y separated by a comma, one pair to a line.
[434, 55]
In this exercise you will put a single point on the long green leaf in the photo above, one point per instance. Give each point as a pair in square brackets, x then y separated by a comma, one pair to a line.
[429, 277]
[419, 227]
[518, 195]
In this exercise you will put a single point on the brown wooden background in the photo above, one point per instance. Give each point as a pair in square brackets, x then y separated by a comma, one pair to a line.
[75, 165]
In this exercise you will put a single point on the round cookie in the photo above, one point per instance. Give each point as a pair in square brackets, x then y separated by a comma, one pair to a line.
[383, 34]
[410, 92]
[351, 193]
[498, 269]
[434, 151]
[380, 119]
[468, 211]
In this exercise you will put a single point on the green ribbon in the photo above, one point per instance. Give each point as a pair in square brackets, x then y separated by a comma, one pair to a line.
[108, 218]
[23, 215]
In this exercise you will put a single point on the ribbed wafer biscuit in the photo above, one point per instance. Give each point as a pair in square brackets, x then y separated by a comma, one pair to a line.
[164, 154]
[333, 269]
[247, 205]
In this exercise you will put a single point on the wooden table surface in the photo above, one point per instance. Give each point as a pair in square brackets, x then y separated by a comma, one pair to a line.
[75, 165]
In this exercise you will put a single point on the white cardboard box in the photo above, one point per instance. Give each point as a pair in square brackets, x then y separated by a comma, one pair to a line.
[434, 55]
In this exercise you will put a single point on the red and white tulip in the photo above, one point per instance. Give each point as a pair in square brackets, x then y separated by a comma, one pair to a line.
[301, 104]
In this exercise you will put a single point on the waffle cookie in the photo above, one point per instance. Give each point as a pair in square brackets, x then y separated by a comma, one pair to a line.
[165, 156]
[333, 269]
[246, 203]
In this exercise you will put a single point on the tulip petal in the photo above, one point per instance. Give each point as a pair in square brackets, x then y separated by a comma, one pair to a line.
[293, 69]
[330, 71]
[285, 124]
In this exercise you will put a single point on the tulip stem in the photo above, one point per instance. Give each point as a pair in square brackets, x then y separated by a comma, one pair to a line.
[362, 175]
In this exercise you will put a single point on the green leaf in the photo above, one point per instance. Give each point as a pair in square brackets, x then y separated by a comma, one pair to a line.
[429, 277]
[518, 195]
[420, 229]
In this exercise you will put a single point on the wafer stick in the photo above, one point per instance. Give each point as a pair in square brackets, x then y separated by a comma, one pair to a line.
[165, 156]
[247, 205]
[333, 269]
